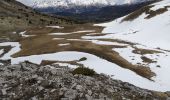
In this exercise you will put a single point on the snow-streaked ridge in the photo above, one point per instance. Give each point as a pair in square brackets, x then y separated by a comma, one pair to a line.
[153, 32]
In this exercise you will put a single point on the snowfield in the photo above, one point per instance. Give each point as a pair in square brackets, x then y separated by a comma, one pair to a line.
[153, 32]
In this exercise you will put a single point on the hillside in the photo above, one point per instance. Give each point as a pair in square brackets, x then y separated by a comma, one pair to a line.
[15, 15]
[149, 26]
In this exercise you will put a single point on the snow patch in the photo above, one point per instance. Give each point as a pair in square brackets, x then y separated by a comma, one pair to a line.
[24, 35]
[58, 27]
[64, 44]
[59, 33]
[85, 31]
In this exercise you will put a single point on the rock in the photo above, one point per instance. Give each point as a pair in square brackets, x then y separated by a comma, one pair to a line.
[88, 97]
[74, 85]
[53, 90]
[14, 67]
[34, 98]
[110, 90]
[79, 88]
[81, 95]
[64, 99]
[40, 88]
[47, 84]
[88, 81]
[71, 94]
[3, 91]
[89, 92]
[35, 76]
[62, 91]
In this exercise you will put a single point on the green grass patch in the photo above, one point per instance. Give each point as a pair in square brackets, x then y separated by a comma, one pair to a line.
[84, 71]
[83, 59]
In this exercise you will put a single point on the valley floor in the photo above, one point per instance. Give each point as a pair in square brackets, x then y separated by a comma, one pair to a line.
[139, 65]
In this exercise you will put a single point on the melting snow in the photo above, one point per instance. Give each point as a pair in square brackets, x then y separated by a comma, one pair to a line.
[59, 33]
[94, 62]
[24, 35]
[58, 27]
[64, 44]
[84, 31]
[153, 32]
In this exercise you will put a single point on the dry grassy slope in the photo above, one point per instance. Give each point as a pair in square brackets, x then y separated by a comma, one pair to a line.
[16, 15]
[147, 10]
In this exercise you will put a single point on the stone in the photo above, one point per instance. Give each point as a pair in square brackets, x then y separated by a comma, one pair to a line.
[81, 95]
[79, 88]
[3, 91]
[40, 88]
[88, 81]
[89, 92]
[88, 97]
[71, 94]
[74, 85]
[64, 99]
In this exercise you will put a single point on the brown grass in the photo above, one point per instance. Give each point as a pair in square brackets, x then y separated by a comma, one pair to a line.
[147, 60]
[157, 12]
[137, 13]
[150, 13]
[6, 49]
[43, 44]
[144, 51]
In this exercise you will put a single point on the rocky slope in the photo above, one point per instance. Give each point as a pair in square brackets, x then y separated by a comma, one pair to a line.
[30, 81]
[15, 15]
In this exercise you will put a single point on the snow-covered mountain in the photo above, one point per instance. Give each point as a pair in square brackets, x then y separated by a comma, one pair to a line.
[149, 26]
[87, 10]
[72, 3]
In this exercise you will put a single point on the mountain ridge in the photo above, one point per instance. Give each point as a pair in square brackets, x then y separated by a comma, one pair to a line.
[74, 3]
[87, 11]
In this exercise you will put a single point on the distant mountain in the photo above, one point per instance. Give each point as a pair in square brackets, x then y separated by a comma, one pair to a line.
[14, 15]
[88, 10]
[73, 3]
[99, 15]
[149, 26]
